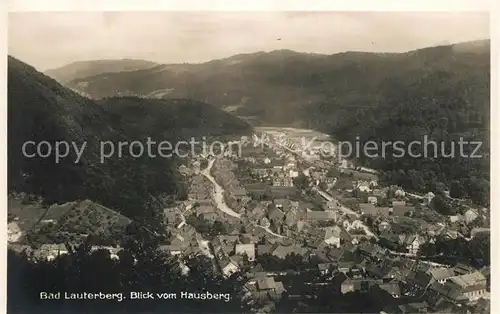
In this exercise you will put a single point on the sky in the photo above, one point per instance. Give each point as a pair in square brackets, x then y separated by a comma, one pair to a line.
[52, 39]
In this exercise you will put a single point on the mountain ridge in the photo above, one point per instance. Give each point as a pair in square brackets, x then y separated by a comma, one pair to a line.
[40, 109]
[81, 69]
[275, 85]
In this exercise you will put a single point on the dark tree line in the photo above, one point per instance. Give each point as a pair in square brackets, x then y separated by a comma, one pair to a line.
[475, 252]
[140, 268]
[445, 108]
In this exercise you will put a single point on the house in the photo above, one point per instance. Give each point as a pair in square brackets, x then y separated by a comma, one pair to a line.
[332, 205]
[332, 235]
[21, 248]
[476, 231]
[223, 245]
[414, 307]
[434, 230]
[398, 203]
[172, 216]
[51, 251]
[462, 269]
[356, 224]
[276, 215]
[282, 204]
[283, 182]
[176, 247]
[196, 167]
[384, 270]
[472, 286]
[419, 279]
[384, 226]
[14, 232]
[277, 163]
[392, 287]
[293, 173]
[228, 266]
[455, 218]
[372, 200]
[486, 271]
[334, 254]
[351, 284]
[239, 192]
[441, 274]
[264, 222]
[471, 215]
[448, 292]
[325, 268]
[399, 193]
[269, 286]
[402, 210]
[449, 234]
[257, 212]
[368, 209]
[372, 251]
[247, 238]
[113, 252]
[301, 225]
[411, 242]
[248, 249]
[315, 215]
[291, 218]
[379, 193]
[428, 198]
[363, 186]
[266, 248]
[345, 267]
[283, 251]
[211, 217]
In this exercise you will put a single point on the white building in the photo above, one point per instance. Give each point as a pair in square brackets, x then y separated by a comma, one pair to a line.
[228, 267]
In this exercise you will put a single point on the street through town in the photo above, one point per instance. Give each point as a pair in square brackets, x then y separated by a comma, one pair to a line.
[218, 194]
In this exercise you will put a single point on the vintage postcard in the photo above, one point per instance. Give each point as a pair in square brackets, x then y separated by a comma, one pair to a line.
[248, 161]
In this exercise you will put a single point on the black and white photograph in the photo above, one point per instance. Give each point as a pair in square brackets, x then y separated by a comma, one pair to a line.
[248, 162]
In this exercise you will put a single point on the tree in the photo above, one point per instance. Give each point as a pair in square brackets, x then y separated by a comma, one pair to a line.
[442, 206]
[218, 228]
[150, 270]
[301, 181]
[480, 249]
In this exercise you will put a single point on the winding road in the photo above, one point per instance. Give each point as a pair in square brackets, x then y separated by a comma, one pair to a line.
[218, 194]
[218, 191]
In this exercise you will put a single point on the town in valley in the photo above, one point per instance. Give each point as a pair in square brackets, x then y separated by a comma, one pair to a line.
[299, 226]
[265, 193]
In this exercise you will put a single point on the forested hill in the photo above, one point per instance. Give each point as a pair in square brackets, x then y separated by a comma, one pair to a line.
[174, 118]
[442, 92]
[446, 100]
[83, 69]
[291, 88]
[40, 109]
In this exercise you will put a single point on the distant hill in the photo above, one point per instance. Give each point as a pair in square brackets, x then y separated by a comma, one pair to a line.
[83, 69]
[40, 109]
[173, 118]
[441, 91]
[287, 87]
[446, 99]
